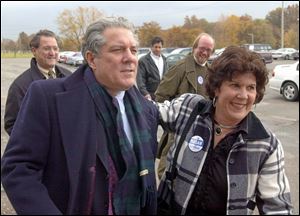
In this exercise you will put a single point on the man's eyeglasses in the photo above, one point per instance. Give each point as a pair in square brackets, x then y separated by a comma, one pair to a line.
[48, 49]
[207, 50]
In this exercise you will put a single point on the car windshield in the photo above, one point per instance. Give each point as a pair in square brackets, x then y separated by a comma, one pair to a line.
[260, 47]
[143, 50]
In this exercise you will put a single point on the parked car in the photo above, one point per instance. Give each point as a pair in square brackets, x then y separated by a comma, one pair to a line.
[167, 51]
[295, 55]
[142, 51]
[63, 56]
[216, 54]
[284, 53]
[285, 80]
[172, 59]
[185, 51]
[264, 50]
[76, 59]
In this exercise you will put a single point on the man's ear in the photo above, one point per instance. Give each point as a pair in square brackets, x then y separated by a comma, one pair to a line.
[90, 58]
[33, 50]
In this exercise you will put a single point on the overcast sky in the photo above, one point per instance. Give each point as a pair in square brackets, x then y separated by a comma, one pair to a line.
[30, 17]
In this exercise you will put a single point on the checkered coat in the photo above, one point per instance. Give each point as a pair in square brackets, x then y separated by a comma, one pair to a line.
[255, 163]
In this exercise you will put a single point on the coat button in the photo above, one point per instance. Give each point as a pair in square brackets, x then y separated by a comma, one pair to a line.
[231, 161]
[233, 185]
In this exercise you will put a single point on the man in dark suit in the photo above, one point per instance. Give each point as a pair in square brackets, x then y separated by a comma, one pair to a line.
[45, 50]
[151, 69]
[86, 144]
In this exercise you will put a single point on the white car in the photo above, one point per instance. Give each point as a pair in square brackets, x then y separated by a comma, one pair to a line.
[184, 51]
[284, 53]
[63, 56]
[76, 59]
[142, 51]
[285, 80]
[216, 54]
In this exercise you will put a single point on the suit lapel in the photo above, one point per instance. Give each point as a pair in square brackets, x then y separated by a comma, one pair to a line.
[191, 77]
[80, 134]
[191, 72]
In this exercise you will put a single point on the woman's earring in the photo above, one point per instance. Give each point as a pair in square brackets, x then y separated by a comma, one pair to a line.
[214, 101]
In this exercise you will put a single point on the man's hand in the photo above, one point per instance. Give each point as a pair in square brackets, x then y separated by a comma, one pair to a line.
[148, 96]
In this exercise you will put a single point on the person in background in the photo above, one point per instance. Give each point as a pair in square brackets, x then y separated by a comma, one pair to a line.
[229, 161]
[43, 66]
[188, 76]
[151, 69]
[86, 144]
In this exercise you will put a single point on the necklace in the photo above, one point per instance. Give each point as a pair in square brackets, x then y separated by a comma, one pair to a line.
[219, 127]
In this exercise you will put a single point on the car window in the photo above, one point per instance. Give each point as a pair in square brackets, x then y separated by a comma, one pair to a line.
[186, 51]
[258, 47]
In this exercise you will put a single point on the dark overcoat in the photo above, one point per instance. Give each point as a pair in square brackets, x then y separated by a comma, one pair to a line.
[18, 89]
[48, 165]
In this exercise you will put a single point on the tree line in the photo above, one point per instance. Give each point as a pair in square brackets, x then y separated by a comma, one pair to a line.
[230, 30]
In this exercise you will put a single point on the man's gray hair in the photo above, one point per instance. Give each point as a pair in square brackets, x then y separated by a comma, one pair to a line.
[93, 39]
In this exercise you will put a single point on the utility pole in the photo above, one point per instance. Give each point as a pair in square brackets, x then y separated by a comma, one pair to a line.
[282, 25]
[252, 37]
[298, 34]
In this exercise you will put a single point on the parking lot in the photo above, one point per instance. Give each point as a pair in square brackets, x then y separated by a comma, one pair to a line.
[281, 116]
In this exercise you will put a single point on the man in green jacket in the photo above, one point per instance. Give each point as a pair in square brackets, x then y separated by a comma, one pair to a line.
[187, 76]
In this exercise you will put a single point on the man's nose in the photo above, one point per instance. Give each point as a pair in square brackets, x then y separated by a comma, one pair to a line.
[129, 56]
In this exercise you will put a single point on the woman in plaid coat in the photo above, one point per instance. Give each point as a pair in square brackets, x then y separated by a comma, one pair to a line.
[229, 161]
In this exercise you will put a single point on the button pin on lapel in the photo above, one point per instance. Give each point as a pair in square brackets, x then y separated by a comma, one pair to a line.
[144, 172]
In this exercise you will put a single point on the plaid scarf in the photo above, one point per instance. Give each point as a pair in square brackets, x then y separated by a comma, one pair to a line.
[132, 191]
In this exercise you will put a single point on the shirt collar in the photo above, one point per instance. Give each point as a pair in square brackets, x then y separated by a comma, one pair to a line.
[253, 127]
[120, 96]
[44, 71]
[155, 56]
[198, 63]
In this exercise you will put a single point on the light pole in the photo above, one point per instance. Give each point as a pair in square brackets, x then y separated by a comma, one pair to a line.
[282, 25]
[252, 37]
[298, 34]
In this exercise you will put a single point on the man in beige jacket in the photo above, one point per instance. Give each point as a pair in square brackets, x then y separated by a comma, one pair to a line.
[187, 76]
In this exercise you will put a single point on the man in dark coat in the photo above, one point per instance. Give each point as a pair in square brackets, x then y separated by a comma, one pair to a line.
[151, 69]
[45, 50]
[86, 144]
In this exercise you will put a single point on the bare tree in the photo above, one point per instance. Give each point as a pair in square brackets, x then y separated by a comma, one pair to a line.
[147, 32]
[8, 45]
[72, 24]
[23, 42]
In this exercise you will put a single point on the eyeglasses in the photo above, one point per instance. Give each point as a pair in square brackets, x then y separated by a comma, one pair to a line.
[203, 49]
[48, 49]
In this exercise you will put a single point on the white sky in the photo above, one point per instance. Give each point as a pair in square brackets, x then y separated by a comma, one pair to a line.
[31, 16]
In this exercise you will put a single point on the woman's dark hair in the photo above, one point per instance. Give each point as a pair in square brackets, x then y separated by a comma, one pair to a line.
[233, 61]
